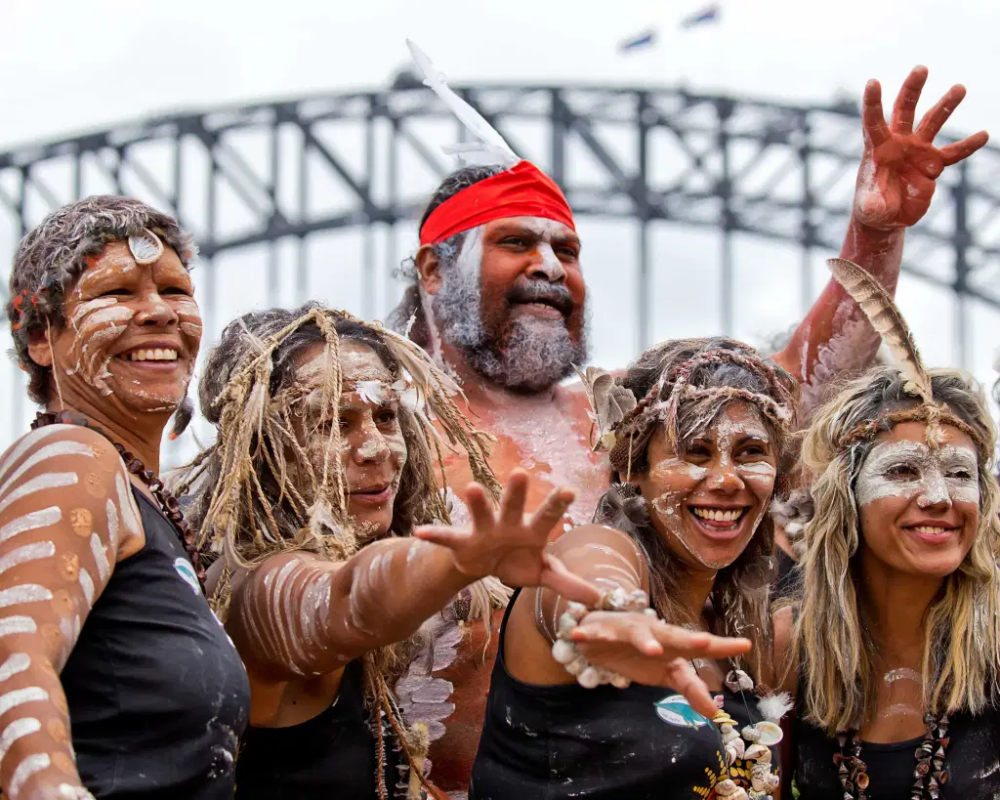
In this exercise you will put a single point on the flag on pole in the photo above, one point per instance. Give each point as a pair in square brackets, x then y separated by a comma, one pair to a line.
[707, 14]
[637, 42]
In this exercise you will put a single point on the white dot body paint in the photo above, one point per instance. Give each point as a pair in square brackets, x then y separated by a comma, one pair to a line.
[44, 454]
[935, 475]
[27, 768]
[47, 480]
[25, 726]
[17, 624]
[18, 697]
[31, 521]
[26, 553]
[14, 665]
[24, 593]
[87, 585]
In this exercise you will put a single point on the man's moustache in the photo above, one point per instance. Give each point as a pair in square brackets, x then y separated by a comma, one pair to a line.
[550, 293]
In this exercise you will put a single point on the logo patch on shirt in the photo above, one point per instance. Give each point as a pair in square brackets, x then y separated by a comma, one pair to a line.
[186, 571]
[676, 710]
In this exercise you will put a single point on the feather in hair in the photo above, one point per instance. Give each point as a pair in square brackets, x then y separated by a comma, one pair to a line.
[609, 401]
[887, 321]
[489, 146]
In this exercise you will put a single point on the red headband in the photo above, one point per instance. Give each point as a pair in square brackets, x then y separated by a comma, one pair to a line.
[522, 191]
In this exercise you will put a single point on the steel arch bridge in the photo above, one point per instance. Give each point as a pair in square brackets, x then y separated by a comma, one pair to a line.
[275, 177]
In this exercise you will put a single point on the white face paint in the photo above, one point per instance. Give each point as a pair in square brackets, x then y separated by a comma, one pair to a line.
[908, 470]
[682, 483]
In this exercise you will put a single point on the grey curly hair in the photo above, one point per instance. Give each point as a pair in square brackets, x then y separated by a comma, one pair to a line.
[447, 252]
[53, 255]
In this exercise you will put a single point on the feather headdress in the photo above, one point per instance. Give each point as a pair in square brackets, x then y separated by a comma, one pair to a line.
[488, 146]
[888, 322]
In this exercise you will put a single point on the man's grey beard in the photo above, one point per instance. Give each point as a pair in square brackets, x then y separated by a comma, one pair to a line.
[531, 356]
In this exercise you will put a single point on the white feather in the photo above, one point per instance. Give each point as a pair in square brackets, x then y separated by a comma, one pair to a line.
[775, 706]
[488, 146]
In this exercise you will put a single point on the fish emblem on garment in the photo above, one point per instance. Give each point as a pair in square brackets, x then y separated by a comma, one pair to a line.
[186, 571]
[676, 710]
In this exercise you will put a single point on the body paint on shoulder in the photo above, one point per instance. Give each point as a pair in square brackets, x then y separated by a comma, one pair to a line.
[47, 480]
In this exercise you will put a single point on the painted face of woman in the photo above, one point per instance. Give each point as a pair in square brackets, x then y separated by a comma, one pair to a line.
[708, 498]
[373, 449]
[919, 506]
[131, 334]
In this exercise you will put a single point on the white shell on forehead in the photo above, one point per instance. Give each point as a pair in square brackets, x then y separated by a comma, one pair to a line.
[146, 248]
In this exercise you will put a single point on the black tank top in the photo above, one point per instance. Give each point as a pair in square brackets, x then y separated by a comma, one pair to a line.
[158, 696]
[560, 742]
[329, 757]
[972, 760]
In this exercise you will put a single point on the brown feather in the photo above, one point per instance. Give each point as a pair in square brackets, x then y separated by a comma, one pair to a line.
[887, 321]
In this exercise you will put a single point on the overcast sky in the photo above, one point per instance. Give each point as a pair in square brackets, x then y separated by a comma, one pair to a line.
[72, 66]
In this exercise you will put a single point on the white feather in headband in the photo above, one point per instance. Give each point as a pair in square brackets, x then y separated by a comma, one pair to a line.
[488, 146]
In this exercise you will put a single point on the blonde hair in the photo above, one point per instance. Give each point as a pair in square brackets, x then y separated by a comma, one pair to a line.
[836, 650]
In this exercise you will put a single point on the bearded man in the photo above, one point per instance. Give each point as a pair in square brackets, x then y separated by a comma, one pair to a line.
[498, 296]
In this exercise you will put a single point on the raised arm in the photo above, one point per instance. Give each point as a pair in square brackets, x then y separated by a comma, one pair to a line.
[299, 615]
[895, 185]
[616, 634]
[66, 517]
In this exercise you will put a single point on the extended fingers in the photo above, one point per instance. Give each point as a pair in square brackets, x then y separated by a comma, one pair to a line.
[726, 647]
[872, 119]
[934, 119]
[905, 107]
[685, 681]
[953, 153]
[566, 584]
[548, 514]
[480, 508]
[443, 535]
[514, 497]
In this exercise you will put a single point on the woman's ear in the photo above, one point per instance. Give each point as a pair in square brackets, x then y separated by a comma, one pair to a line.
[40, 348]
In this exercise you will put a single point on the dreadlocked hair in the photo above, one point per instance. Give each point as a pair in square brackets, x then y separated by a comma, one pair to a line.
[256, 493]
[682, 386]
[408, 317]
[833, 638]
[52, 257]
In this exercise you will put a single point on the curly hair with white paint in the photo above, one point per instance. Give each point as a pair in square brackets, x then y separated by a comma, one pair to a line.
[52, 257]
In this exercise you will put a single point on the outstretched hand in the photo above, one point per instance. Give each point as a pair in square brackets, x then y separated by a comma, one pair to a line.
[900, 163]
[649, 651]
[511, 546]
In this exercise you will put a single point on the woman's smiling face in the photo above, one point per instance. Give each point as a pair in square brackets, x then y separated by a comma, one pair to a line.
[707, 498]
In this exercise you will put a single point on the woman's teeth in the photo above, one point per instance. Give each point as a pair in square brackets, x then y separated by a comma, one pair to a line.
[929, 529]
[717, 515]
[152, 355]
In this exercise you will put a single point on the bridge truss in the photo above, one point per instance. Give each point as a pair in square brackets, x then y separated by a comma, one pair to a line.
[267, 183]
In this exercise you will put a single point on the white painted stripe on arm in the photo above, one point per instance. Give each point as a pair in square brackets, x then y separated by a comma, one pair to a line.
[29, 552]
[25, 593]
[26, 769]
[68, 448]
[14, 665]
[87, 584]
[47, 480]
[100, 557]
[17, 624]
[18, 697]
[29, 441]
[30, 522]
[18, 728]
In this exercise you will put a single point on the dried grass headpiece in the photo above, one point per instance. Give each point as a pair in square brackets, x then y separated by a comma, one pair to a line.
[254, 425]
[887, 320]
[625, 424]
